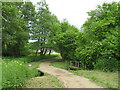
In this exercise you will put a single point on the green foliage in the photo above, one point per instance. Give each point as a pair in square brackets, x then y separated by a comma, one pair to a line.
[15, 73]
[99, 37]
[65, 40]
[105, 64]
[15, 30]
[41, 30]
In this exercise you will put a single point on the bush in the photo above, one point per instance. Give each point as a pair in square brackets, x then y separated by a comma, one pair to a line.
[15, 73]
[105, 64]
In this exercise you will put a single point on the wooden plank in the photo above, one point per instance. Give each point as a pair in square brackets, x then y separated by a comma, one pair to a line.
[73, 68]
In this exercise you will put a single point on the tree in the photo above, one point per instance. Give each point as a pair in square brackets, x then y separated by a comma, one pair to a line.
[103, 28]
[100, 35]
[14, 28]
[42, 28]
[65, 38]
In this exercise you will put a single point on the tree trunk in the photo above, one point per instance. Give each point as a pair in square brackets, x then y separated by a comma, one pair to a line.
[45, 51]
[36, 52]
[41, 51]
[49, 52]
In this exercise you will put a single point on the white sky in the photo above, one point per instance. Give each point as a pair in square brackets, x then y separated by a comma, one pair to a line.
[75, 11]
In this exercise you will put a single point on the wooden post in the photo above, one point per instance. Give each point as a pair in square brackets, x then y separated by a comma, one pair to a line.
[78, 64]
[75, 63]
[49, 52]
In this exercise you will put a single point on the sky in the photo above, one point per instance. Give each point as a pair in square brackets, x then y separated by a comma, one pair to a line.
[75, 11]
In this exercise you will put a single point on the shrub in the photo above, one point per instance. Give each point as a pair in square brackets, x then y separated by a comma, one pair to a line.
[15, 74]
[105, 64]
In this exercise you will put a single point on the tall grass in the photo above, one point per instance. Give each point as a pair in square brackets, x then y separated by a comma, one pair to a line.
[15, 73]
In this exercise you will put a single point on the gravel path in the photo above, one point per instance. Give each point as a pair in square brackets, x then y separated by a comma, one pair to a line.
[68, 79]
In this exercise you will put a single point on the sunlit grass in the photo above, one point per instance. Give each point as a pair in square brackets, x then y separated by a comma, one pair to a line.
[105, 79]
[60, 64]
[47, 81]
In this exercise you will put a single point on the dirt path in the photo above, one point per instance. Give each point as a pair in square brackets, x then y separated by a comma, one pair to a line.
[68, 79]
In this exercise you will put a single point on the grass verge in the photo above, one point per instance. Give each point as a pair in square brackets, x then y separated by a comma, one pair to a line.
[47, 81]
[105, 79]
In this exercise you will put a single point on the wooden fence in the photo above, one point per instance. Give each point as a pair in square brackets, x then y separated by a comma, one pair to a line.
[75, 65]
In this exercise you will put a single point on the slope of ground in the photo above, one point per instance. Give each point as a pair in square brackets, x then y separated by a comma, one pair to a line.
[68, 79]
[47, 81]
